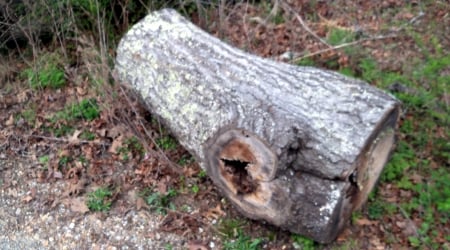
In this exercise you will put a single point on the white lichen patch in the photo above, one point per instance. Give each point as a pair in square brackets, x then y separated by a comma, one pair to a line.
[332, 200]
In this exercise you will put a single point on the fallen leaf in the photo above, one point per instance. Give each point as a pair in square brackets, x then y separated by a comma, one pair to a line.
[214, 213]
[81, 91]
[116, 144]
[75, 188]
[74, 138]
[366, 222]
[78, 205]
[140, 203]
[27, 198]
[195, 245]
[10, 121]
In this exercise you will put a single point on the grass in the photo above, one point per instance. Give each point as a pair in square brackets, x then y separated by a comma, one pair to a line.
[99, 200]
[301, 242]
[166, 143]
[131, 147]
[160, 202]
[232, 231]
[49, 76]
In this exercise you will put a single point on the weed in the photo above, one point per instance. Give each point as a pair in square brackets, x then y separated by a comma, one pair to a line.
[87, 135]
[233, 236]
[131, 146]
[44, 161]
[62, 130]
[301, 242]
[166, 143]
[195, 189]
[306, 62]
[47, 72]
[338, 36]
[242, 242]
[402, 159]
[185, 160]
[64, 160]
[98, 200]
[86, 109]
[161, 202]
[202, 174]
[29, 115]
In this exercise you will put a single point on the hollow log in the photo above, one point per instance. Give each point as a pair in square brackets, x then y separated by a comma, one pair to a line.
[297, 147]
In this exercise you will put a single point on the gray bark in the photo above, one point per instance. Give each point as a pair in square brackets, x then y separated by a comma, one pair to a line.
[298, 147]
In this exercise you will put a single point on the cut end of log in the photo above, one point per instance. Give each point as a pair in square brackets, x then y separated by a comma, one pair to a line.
[373, 160]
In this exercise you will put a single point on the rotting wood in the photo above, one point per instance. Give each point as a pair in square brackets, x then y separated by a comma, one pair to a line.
[298, 147]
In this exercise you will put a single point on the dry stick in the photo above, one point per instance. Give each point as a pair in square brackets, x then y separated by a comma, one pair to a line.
[67, 140]
[160, 151]
[412, 21]
[305, 26]
[340, 46]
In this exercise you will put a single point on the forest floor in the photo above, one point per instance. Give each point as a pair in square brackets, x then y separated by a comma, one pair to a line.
[84, 165]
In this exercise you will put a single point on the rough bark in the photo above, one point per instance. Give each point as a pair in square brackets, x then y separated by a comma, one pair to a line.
[298, 147]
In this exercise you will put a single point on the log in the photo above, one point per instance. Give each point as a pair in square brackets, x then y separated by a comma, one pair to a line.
[297, 147]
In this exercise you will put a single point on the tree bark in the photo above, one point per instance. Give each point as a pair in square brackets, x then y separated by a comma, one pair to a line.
[298, 147]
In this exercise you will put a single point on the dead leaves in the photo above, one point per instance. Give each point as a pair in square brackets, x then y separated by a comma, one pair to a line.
[77, 204]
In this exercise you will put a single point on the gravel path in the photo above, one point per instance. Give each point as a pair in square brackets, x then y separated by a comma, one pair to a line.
[33, 216]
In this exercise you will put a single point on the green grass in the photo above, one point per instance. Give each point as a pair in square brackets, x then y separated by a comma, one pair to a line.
[86, 109]
[301, 242]
[166, 143]
[233, 237]
[338, 36]
[131, 147]
[62, 122]
[46, 72]
[99, 200]
[160, 202]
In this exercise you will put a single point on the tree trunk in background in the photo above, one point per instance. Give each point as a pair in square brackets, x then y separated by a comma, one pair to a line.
[298, 147]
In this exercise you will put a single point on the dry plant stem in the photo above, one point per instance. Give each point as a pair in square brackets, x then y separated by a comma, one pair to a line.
[340, 46]
[67, 140]
[159, 151]
[304, 25]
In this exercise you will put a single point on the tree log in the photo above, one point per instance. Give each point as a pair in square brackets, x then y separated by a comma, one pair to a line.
[298, 147]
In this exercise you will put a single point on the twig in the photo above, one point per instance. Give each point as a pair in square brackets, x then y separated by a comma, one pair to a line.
[305, 26]
[340, 46]
[67, 140]
[147, 133]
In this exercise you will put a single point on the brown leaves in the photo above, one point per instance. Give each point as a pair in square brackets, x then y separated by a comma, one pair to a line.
[197, 245]
[77, 204]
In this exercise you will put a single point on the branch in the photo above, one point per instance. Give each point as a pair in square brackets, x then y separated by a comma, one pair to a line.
[340, 46]
[305, 26]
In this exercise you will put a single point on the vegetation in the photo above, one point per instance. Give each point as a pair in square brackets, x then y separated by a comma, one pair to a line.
[161, 202]
[99, 200]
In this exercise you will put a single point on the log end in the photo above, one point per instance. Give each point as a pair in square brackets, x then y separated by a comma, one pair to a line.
[373, 159]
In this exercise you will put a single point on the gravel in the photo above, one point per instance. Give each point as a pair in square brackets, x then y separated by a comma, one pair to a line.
[34, 216]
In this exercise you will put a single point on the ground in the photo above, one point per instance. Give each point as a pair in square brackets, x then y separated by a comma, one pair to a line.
[83, 163]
